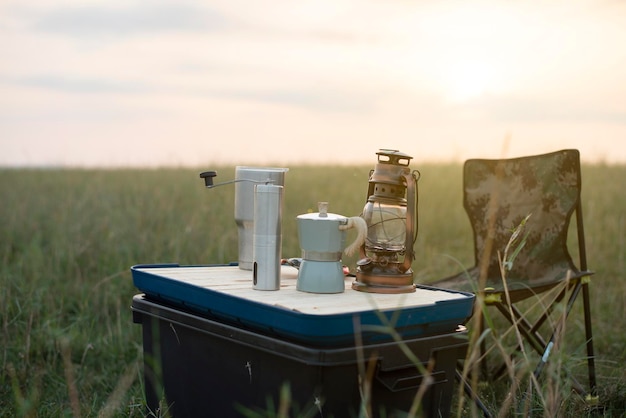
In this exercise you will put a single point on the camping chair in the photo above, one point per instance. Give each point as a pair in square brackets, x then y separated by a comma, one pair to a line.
[536, 196]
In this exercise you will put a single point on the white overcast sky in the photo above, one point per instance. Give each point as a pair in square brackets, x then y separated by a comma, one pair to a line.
[151, 83]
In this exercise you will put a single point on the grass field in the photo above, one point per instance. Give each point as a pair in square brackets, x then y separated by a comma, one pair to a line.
[68, 346]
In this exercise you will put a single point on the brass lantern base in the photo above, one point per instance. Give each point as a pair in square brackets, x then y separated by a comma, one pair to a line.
[382, 282]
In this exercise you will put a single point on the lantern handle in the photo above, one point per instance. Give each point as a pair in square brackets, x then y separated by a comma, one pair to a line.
[416, 178]
[411, 220]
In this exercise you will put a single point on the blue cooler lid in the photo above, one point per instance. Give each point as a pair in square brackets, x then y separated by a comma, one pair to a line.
[225, 292]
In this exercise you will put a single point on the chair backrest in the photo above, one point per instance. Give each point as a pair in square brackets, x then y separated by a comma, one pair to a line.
[499, 194]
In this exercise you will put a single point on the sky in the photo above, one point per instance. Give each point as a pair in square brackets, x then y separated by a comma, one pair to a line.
[181, 83]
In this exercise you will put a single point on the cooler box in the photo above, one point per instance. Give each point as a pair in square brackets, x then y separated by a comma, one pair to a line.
[215, 347]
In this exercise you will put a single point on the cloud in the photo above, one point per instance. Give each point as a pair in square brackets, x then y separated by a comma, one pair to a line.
[83, 85]
[319, 100]
[108, 21]
[313, 98]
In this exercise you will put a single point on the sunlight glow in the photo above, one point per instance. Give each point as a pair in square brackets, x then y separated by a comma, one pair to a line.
[467, 50]
[466, 80]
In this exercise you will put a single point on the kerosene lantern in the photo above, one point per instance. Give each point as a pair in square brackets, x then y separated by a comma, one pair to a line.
[391, 216]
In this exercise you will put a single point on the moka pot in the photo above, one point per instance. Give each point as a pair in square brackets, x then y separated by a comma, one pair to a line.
[322, 238]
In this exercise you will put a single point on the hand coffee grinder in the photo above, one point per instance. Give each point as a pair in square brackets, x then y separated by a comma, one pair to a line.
[391, 216]
[258, 214]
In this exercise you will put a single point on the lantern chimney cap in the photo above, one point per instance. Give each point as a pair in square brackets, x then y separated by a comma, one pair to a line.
[393, 156]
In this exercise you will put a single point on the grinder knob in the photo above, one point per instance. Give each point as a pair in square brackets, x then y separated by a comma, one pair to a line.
[208, 177]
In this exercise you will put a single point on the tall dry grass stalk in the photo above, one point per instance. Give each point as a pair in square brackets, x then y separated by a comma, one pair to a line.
[115, 401]
[70, 377]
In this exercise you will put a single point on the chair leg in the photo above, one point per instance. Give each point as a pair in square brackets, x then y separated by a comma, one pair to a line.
[529, 331]
[484, 367]
[525, 327]
[555, 335]
[591, 365]
[544, 348]
[516, 318]
[473, 396]
[548, 311]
